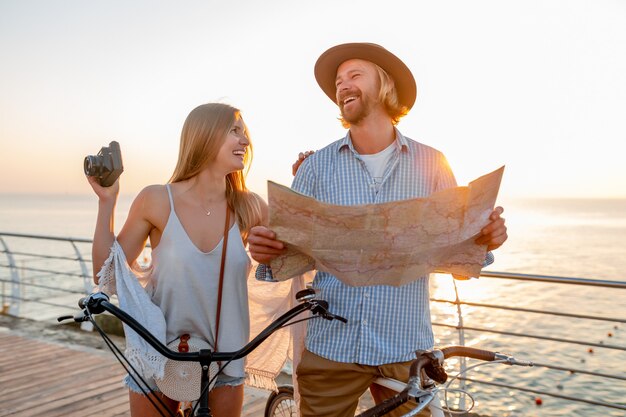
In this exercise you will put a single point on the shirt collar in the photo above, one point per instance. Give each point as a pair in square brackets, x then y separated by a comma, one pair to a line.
[401, 142]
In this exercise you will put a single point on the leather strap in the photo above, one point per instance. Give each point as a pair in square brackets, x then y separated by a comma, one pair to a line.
[219, 291]
[183, 346]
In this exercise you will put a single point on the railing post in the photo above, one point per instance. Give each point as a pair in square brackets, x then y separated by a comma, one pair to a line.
[461, 330]
[86, 325]
[14, 305]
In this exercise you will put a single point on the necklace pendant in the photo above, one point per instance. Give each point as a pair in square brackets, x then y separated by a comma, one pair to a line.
[208, 213]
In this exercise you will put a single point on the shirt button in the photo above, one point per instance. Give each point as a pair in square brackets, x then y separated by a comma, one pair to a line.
[366, 295]
[364, 322]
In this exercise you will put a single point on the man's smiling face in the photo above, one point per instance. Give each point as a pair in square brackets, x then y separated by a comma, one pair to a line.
[358, 86]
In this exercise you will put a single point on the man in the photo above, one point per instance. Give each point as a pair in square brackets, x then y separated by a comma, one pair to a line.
[373, 163]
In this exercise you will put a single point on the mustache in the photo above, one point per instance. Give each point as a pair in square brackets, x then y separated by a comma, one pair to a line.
[344, 94]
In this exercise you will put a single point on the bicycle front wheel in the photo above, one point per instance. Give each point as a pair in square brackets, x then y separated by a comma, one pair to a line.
[281, 403]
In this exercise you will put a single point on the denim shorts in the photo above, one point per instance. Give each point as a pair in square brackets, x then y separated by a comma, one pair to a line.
[221, 381]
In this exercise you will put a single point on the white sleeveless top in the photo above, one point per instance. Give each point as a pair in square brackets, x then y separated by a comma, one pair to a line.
[185, 285]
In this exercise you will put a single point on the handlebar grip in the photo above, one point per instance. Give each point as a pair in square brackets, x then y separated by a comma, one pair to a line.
[82, 303]
[306, 294]
[468, 352]
[388, 405]
[93, 302]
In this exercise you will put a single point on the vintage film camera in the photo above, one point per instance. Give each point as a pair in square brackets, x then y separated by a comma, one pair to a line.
[106, 165]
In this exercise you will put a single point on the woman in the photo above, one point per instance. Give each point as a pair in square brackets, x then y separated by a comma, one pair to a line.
[185, 222]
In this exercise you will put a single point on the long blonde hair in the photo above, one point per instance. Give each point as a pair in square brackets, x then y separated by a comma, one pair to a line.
[202, 136]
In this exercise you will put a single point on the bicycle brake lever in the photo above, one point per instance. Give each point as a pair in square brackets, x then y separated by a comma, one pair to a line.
[81, 317]
[332, 316]
[510, 360]
[321, 309]
[78, 317]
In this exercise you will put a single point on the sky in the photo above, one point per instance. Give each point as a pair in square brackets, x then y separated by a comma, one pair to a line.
[537, 85]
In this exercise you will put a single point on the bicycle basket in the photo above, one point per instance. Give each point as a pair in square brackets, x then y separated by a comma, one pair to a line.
[181, 380]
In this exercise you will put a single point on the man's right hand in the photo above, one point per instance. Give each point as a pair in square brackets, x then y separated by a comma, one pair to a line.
[301, 157]
[263, 245]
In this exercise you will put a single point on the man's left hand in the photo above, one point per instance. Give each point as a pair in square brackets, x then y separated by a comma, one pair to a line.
[494, 234]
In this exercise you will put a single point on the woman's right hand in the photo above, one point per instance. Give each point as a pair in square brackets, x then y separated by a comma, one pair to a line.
[105, 194]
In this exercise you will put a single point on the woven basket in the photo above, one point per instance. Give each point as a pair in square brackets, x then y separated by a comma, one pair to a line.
[181, 380]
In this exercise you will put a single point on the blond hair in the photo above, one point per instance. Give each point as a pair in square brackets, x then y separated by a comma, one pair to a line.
[202, 136]
[388, 96]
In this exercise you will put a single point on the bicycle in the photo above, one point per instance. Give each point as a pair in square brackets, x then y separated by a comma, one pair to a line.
[98, 303]
[426, 377]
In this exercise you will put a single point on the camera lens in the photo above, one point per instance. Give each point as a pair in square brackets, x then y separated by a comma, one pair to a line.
[91, 166]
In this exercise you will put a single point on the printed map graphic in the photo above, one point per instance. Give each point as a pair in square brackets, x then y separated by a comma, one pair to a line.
[383, 244]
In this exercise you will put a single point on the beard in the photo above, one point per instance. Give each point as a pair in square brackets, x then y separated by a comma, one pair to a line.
[357, 112]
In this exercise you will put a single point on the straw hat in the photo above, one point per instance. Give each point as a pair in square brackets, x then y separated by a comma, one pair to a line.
[181, 380]
[327, 64]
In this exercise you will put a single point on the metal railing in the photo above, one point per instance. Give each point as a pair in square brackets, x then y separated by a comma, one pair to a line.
[461, 328]
[29, 275]
[34, 267]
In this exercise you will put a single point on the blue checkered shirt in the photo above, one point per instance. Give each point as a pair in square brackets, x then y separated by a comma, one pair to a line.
[385, 324]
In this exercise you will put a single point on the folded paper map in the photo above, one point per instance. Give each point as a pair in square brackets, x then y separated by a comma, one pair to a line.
[390, 243]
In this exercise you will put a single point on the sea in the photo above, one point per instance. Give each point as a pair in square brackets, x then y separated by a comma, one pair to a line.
[581, 238]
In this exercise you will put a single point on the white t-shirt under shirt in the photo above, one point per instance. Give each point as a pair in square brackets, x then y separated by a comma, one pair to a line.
[377, 163]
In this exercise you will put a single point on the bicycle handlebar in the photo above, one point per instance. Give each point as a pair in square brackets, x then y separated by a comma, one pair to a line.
[484, 355]
[99, 302]
[432, 363]
[468, 352]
